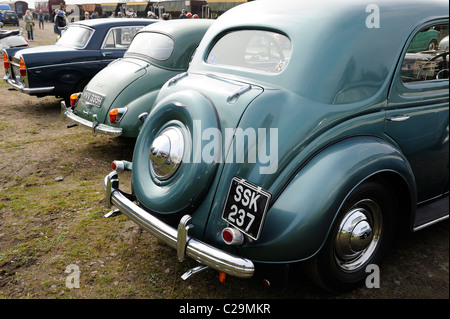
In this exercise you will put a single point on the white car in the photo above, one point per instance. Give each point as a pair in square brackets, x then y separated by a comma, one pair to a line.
[443, 45]
[12, 39]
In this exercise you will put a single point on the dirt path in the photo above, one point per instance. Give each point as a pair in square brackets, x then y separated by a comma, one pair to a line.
[51, 223]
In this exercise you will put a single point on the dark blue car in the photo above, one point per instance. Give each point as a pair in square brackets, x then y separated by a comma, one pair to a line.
[84, 49]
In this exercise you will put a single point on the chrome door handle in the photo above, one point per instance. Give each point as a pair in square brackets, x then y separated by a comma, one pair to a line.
[399, 118]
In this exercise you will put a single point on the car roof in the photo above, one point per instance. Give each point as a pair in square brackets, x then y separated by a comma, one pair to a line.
[109, 22]
[334, 50]
[178, 27]
[186, 33]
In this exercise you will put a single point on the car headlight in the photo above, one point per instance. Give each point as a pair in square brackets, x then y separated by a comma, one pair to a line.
[166, 153]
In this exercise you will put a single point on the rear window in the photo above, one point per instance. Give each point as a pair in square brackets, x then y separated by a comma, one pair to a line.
[76, 37]
[257, 50]
[120, 37]
[154, 45]
[10, 14]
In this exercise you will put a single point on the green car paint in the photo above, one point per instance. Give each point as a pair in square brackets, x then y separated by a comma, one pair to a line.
[132, 83]
[337, 105]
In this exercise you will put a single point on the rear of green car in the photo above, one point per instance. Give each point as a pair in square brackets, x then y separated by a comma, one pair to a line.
[113, 101]
[273, 147]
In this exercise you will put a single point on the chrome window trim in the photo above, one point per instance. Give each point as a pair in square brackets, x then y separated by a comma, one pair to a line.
[115, 42]
[67, 64]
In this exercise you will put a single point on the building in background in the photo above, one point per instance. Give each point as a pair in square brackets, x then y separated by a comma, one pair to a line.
[20, 7]
[138, 8]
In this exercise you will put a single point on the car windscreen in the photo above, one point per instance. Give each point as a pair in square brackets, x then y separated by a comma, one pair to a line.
[76, 37]
[154, 45]
[258, 50]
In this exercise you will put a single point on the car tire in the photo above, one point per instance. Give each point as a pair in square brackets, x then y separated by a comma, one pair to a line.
[432, 45]
[359, 237]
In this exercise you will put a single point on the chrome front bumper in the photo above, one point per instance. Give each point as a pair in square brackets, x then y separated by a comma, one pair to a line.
[95, 126]
[177, 238]
[20, 87]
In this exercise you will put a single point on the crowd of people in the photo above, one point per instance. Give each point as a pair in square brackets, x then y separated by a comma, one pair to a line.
[59, 19]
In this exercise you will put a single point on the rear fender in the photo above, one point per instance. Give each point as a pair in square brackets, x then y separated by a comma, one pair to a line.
[130, 122]
[298, 222]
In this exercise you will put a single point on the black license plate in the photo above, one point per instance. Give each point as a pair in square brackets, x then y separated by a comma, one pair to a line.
[246, 207]
[92, 98]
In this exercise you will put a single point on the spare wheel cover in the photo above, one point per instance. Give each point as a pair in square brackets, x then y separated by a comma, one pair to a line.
[183, 191]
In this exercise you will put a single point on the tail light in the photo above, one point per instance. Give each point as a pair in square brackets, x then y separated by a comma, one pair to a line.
[222, 277]
[23, 68]
[6, 63]
[74, 98]
[232, 236]
[115, 115]
[120, 166]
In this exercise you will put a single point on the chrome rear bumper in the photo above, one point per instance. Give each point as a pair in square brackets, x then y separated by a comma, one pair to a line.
[177, 238]
[20, 87]
[95, 126]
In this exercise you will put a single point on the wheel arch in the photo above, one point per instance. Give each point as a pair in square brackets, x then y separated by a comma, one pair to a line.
[304, 213]
[405, 198]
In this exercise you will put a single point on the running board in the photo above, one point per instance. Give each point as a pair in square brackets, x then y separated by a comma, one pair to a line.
[431, 213]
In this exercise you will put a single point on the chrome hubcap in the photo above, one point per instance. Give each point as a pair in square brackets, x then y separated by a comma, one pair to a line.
[166, 153]
[358, 235]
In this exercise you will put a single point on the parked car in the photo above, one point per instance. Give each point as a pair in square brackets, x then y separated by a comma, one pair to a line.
[85, 48]
[443, 44]
[289, 144]
[113, 100]
[424, 40]
[12, 39]
[10, 17]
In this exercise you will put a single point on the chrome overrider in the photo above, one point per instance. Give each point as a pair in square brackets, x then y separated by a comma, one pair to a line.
[178, 239]
[94, 125]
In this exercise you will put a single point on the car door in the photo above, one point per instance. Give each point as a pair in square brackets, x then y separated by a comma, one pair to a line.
[117, 42]
[417, 116]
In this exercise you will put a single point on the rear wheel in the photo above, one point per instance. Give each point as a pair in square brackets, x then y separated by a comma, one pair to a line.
[359, 237]
[432, 45]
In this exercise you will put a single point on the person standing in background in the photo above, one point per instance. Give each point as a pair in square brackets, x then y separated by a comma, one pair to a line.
[29, 25]
[60, 22]
[41, 19]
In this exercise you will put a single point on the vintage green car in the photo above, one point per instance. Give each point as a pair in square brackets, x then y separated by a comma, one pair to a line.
[287, 143]
[113, 100]
[425, 40]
